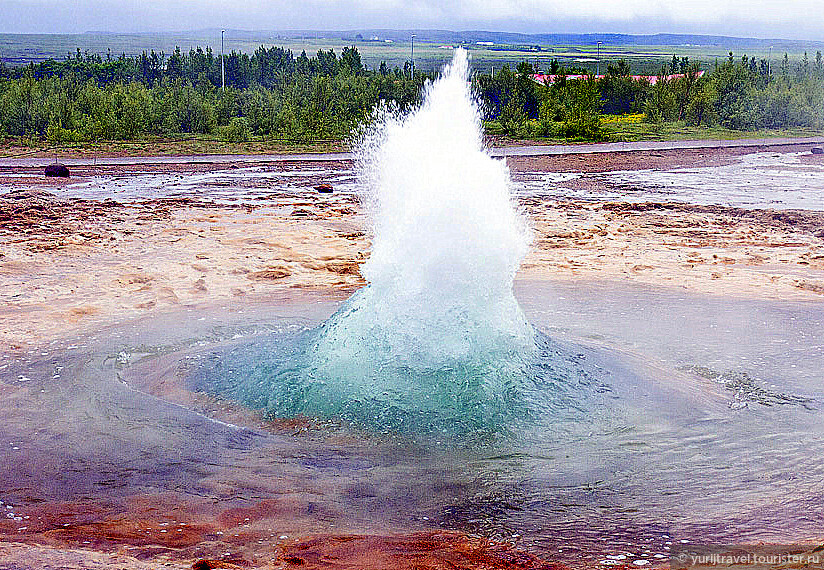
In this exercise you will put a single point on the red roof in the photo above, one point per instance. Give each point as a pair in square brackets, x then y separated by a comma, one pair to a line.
[653, 79]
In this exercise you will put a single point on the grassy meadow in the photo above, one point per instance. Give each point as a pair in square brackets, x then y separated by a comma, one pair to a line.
[21, 49]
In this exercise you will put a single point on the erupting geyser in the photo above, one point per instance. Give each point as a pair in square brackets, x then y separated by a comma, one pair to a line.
[447, 243]
[436, 343]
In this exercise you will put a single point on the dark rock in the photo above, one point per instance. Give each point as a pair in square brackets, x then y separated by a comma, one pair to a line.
[818, 150]
[206, 564]
[57, 170]
[324, 188]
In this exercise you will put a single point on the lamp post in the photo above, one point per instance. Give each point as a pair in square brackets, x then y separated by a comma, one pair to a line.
[598, 65]
[222, 69]
[413, 56]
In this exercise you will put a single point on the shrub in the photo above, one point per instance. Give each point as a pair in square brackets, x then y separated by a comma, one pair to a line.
[237, 130]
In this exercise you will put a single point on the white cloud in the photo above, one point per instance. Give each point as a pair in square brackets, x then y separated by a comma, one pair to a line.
[800, 18]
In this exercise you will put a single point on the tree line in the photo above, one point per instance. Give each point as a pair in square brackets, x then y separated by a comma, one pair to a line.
[270, 93]
[274, 94]
[740, 94]
[265, 67]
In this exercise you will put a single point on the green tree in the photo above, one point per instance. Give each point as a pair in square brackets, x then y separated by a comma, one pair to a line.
[735, 89]
[662, 101]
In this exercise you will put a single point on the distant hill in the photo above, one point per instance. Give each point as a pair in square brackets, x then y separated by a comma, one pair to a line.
[472, 36]
[378, 45]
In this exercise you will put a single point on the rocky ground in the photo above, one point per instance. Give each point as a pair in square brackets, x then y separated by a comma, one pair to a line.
[71, 265]
[68, 266]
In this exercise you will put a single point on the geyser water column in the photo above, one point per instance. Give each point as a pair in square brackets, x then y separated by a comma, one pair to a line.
[447, 240]
[438, 320]
[436, 342]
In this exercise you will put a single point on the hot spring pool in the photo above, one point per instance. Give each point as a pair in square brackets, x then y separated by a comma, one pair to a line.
[672, 430]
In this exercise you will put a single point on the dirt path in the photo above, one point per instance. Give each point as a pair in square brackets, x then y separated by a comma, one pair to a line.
[509, 150]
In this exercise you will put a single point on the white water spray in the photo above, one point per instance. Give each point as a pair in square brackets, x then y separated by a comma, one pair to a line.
[436, 343]
[448, 241]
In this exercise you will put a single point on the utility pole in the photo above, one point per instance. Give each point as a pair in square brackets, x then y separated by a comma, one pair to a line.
[413, 56]
[222, 68]
[598, 65]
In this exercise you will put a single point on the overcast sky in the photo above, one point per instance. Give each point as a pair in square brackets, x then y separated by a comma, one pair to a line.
[794, 19]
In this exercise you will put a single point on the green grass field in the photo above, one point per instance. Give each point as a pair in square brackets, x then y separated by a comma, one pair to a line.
[616, 131]
[678, 130]
[632, 128]
[18, 49]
